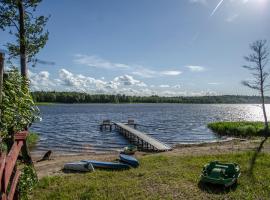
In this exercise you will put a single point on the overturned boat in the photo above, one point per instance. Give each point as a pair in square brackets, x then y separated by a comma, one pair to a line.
[107, 165]
[130, 160]
[79, 166]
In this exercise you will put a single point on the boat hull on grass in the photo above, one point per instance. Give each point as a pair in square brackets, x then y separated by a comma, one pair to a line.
[79, 166]
[107, 165]
[129, 160]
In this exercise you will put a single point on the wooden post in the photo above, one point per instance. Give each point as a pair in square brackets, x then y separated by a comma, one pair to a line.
[25, 151]
[1, 80]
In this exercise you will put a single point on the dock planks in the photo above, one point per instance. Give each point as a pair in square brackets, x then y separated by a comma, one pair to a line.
[145, 140]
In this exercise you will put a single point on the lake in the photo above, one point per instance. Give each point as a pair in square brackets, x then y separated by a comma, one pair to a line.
[73, 128]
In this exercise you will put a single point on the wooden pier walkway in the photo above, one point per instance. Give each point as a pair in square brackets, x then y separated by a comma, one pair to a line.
[141, 139]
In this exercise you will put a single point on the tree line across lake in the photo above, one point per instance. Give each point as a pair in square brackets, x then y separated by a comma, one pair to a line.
[77, 97]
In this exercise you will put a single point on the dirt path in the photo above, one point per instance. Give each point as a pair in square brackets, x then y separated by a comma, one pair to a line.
[54, 166]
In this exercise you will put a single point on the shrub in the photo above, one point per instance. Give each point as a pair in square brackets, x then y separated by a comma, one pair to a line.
[27, 181]
[18, 107]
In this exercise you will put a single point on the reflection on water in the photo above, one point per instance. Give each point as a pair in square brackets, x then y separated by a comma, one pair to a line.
[74, 128]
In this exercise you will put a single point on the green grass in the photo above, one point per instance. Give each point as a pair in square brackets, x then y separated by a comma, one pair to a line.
[159, 177]
[32, 139]
[240, 129]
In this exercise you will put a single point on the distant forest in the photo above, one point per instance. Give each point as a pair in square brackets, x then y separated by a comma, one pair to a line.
[77, 97]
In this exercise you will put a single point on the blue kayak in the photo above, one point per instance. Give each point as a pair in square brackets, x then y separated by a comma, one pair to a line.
[129, 160]
[107, 165]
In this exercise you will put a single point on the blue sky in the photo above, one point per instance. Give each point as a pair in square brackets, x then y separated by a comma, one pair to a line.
[145, 47]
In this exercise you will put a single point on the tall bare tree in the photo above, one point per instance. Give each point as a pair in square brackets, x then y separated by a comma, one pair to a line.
[17, 16]
[258, 61]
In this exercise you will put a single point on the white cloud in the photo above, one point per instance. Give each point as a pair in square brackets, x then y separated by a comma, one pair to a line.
[204, 2]
[196, 68]
[79, 82]
[147, 73]
[41, 80]
[128, 80]
[241, 1]
[124, 84]
[164, 86]
[171, 73]
[97, 62]
[143, 72]
[139, 70]
[44, 75]
[73, 82]
[232, 18]
[214, 83]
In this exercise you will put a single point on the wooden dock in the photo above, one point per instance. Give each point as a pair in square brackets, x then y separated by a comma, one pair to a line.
[106, 124]
[142, 140]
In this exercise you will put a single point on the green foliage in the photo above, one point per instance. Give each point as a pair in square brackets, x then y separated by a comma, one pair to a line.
[76, 97]
[35, 36]
[3, 147]
[32, 139]
[27, 181]
[18, 107]
[159, 177]
[240, 129]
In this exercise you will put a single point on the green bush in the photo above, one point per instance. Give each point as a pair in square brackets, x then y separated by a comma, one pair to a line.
[18, 112]
[18, 108]
[239, 129]
[27, 181]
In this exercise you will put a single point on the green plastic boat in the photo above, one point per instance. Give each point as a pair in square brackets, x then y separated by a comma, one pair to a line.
[220, 173]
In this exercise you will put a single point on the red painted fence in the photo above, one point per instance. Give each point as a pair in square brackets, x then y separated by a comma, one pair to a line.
[8, 169]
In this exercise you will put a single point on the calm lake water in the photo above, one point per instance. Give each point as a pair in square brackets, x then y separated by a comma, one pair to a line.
[73, 128]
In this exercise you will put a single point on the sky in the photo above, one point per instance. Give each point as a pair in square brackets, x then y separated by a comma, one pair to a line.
[149, 47]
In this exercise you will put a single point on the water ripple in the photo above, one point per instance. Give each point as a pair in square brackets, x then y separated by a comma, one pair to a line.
[74, 128]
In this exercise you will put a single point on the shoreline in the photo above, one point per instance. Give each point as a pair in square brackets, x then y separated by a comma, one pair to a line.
[40, 154]
[54, 167]
[125, 103]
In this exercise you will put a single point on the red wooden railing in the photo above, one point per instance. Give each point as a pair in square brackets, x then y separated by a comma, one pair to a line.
[8, 168]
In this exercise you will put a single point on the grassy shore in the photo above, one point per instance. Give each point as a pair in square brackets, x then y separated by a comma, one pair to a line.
[239, 129]
[32, 139]
[45, 103]
[159, 177]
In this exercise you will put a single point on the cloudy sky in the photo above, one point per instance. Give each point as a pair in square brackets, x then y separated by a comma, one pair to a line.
[145, 47]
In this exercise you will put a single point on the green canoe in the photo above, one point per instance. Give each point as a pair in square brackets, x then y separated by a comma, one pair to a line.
[220, 173]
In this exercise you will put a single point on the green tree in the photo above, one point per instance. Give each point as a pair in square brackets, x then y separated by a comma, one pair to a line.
[17, 17]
